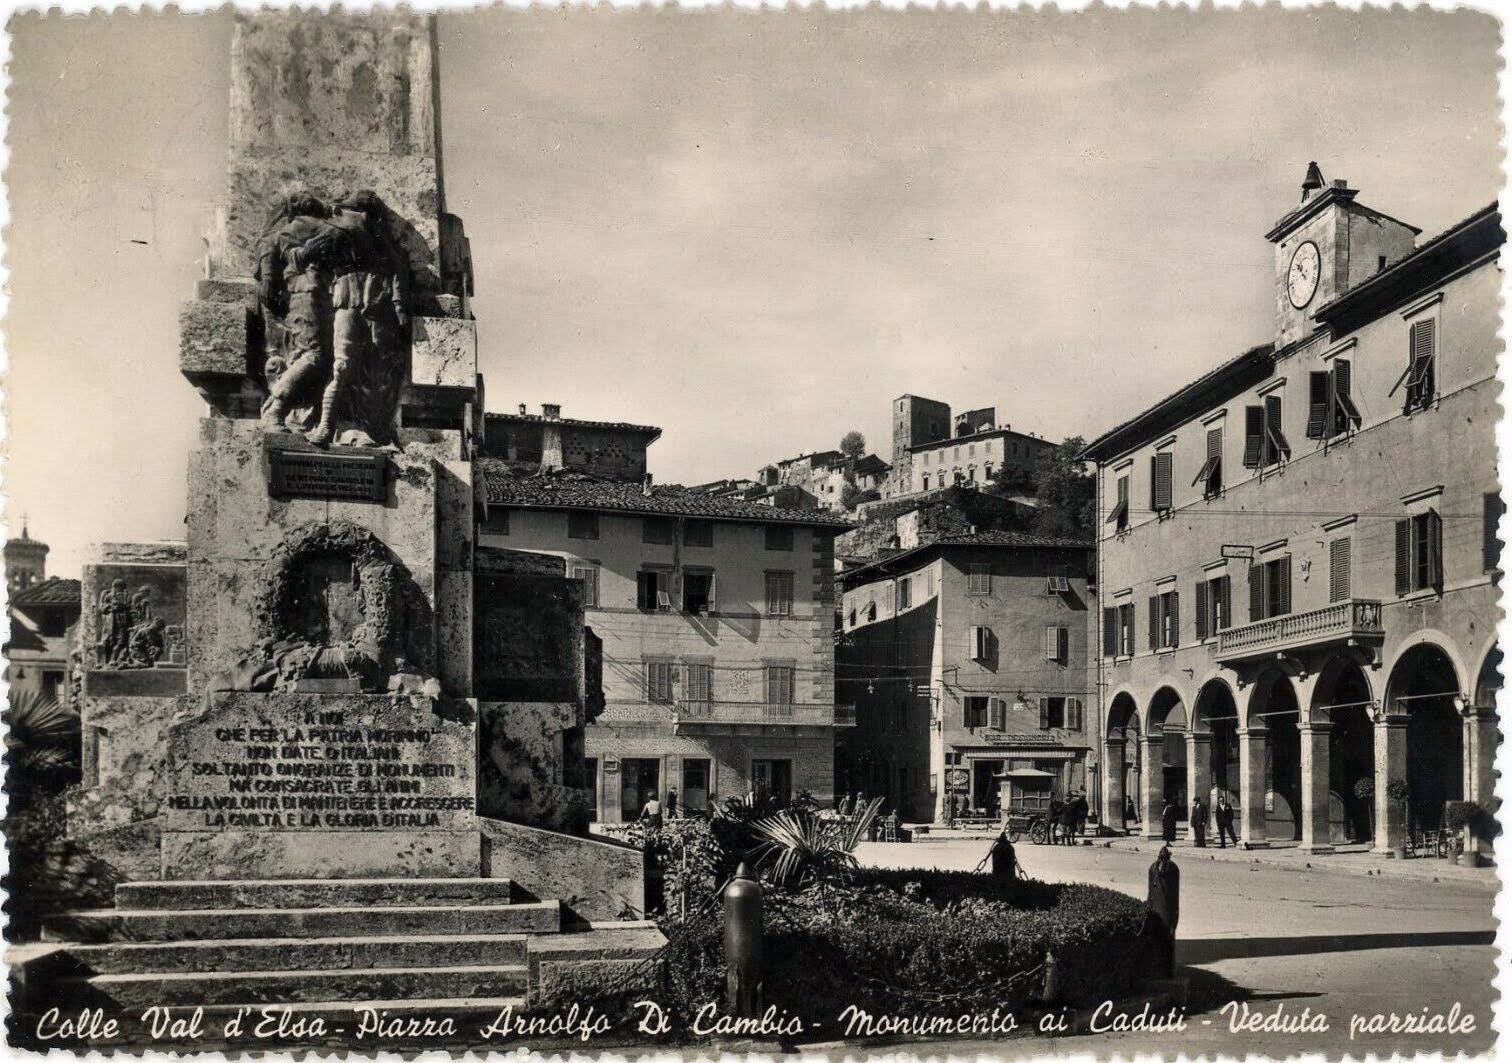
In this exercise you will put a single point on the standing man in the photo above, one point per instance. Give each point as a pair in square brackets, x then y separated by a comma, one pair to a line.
[672, 803]
[1226, 822]
[651, 813]
[1082, 812]
[1131, 814]
[1199, 822]
[1068, 820]
[1054, 817]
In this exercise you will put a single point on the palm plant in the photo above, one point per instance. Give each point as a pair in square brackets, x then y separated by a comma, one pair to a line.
[42, 743]
[801, 848]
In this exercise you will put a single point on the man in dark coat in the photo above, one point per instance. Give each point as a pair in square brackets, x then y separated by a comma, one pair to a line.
[1199, 823]
[1168, 822]
[1164, 904]
[1053, 818]
[1226, 823]
[1068, 821]
[1082, 811]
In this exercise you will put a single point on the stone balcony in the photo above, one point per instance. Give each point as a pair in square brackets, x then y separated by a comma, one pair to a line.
[1355, 620]
[702, 715]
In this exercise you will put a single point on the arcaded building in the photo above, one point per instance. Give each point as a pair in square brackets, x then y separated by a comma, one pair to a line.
[1298, 556]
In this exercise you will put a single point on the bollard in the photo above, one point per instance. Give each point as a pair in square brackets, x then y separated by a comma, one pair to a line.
[1050, 994]
[743, 943]
[1164, 904]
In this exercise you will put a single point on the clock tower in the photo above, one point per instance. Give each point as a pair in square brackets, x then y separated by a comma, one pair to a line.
[1325, 246]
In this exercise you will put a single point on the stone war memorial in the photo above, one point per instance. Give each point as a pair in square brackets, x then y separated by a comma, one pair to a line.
[328, 734]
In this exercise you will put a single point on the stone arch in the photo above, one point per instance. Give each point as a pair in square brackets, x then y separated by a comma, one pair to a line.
[1343, 701]
[1214, 761]
[1122, 761]
[1488, 678]
[1167, 777]
[1440, 642]
[1275, 710]
[1425, 685]
[1123, 711]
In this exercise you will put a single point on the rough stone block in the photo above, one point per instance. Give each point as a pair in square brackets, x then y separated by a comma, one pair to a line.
[213, 340]
[444, 352]
[223, 290]
[593, 878]
[250, 854]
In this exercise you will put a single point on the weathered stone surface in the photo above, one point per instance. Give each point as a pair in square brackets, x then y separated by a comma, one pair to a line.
[560, 983]
[520, 763]
[312, 893]
[591, 877]
[527, 637]
[133, 635]
[444, 353]
[163, 552]
[213, 340]
[329, 854]
[124, 775]
[293, 955]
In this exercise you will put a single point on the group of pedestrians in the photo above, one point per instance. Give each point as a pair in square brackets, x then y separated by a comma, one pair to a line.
[1198, 820]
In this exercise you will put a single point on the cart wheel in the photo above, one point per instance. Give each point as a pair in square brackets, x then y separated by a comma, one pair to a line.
[1013, 835]
[1038, 832]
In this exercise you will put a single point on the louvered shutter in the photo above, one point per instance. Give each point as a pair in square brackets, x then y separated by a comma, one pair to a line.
[1403, 556]
[1160, 482]
[1257, 592]
[1491, 511]
[1044, 709]
[1275, 438]
[1202, 609]
[1175, 601]
[1074, 714]
[1154, 622]
[1254, 435]
[1317, 404]
[1110, 632]
[1222, 618]
[1338, 570]
[1435, 550]
[1064, 644]
[998, 709]
[1052, 643]
[1345, 409]
[1283, 590]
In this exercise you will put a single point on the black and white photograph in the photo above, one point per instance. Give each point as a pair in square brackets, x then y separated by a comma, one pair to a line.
[854, 533]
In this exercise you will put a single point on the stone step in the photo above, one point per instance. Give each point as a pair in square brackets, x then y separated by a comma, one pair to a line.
[312, 893]
[138, 924]
[311, 1023]
[333, 953]
[194, 988]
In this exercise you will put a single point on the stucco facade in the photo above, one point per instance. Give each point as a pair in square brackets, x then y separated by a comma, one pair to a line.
[712, 685]
[967, 654]
[1298, 560]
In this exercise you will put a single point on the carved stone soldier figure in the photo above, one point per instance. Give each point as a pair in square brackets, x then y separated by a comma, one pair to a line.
[115, 624]
[369, 297]
[294, 288]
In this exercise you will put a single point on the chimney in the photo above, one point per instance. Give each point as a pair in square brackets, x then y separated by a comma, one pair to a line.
[552, 411]
[646, 485]
[522, 409]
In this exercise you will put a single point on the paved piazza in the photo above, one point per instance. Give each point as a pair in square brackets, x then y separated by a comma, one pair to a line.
[1341, 944]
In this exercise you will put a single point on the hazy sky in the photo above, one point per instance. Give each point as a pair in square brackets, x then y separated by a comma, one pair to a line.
[753, 230]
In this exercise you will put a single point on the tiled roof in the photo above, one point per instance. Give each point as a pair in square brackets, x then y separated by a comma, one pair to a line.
[52, 591]
[1007, 539]
[572, 422]
[500, 488]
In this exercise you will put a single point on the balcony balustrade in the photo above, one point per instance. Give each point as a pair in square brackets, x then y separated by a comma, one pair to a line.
[1354, 619]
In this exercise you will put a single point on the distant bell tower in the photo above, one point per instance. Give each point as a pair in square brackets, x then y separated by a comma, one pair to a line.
[1325, 246]
[25, 562]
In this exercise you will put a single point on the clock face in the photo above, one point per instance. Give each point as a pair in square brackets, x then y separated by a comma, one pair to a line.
[1302, 274]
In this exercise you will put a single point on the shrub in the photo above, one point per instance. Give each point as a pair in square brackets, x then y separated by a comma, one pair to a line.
[1460, 814]
[1364, 788]
[799, 847]
[49, 873]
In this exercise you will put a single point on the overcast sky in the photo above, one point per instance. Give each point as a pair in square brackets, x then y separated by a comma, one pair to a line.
[753, 230]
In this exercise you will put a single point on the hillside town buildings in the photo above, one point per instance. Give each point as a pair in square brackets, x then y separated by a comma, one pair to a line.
[1298, 556]
[715, 616]
[966, 659]
[932, 450]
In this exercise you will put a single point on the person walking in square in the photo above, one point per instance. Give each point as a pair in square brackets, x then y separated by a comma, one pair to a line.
[1168, 822]
[1053, 818]
[1199, 822]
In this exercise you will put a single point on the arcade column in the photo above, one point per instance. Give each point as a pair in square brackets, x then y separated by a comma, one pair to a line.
[1113, 783]
[1199, 754]
[1252, 787]
[1151, 784]
[1390, 763]
[1315, 832]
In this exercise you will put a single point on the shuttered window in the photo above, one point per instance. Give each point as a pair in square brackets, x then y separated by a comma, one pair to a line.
[1074, 715]
[1418, 377]
[589, 574]
[1160, 481]
[974, 711]
[659, 682]
[1110, 632]
[980, 579]
[657, 530]
[1210, 476]
[1165, 621]
[1317, 405]
[1200, 615]
[1276, 447]
[698, 533]
[1119, 518]
[700, 686]
[1126, 630]
[1419, 553]
[1491, 511]
[582, 525]
[1052, 712]
[997, 714]
[1254, 436]
[1270, 588]
[1338, 569]
[1343, 411]
[1212, 606]
[779, 594]
[653, 589]
[1057, 642]
[905, 593]
[979, 643]
[779, 684]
